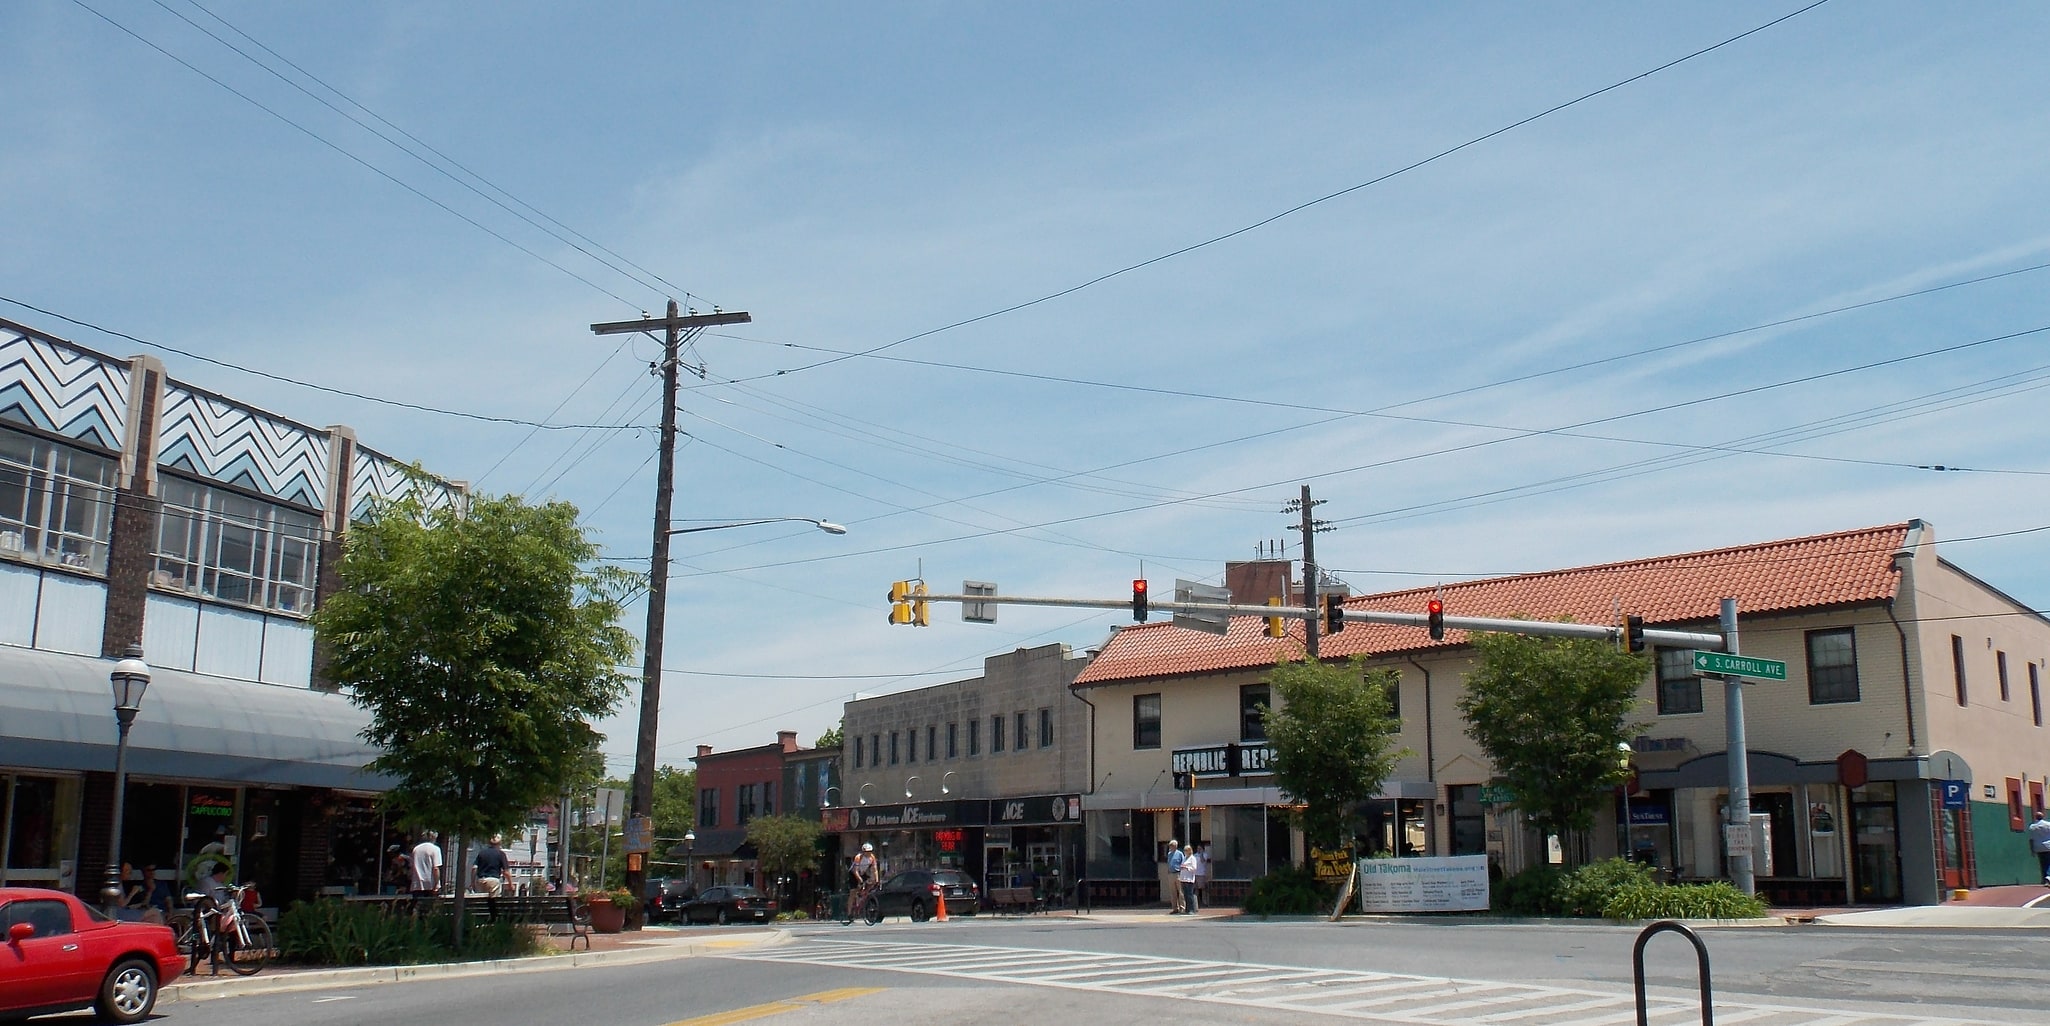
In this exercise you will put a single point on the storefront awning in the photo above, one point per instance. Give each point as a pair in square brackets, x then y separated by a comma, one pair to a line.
[57, 713]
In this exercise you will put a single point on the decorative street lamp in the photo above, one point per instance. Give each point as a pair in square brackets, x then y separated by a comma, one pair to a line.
[826, 801]
[1624, 755]
[944, 789]
[861, 795]
[130, 678]
[907, 784]
[690, 864]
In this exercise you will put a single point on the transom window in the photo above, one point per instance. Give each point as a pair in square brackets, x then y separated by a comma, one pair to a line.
[56, 502]
[215, 542]
[1679, 690]
[1832, 666]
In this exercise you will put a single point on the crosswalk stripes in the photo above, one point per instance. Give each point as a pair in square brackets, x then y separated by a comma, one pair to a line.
[1344, 993]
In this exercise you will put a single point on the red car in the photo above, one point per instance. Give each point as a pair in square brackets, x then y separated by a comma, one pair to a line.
[62, 954]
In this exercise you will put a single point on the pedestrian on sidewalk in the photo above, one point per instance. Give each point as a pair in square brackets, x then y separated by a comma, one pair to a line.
[2039, 842]
[1187, 875]
[426, 869]
[1174, 875]
[490, 867]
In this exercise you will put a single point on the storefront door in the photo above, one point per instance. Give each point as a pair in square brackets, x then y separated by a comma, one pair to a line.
[1875, 851]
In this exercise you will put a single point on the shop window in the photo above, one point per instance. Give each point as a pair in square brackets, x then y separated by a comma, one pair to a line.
[974, 738]
[1253, 702]
[1046, 728]
[2017, 813]
[1832, 666]
[953, 740]
[996, 734]
[1145, 721]
[218, 543]
[1679, 690]
[56, 502]
[2000, 664]
[1957, 666]
[42, 826]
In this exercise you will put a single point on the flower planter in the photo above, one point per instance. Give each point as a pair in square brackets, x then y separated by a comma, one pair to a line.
[606, 917]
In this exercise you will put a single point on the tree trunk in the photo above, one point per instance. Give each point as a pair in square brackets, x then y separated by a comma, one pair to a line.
[458, 871]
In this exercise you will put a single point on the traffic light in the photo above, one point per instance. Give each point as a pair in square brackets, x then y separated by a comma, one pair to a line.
[1633, 634]
[1139, 604]
[1437, 611]
[1276, 626]
[1184, 780]
[1334, 613]
[918, 607]
[900, 605]
[1234, 759]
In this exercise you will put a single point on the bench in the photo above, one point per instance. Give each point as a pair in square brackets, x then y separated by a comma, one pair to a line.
[1014, 899]
[539, 909]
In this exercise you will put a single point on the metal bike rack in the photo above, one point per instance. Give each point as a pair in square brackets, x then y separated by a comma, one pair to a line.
[1700, 956]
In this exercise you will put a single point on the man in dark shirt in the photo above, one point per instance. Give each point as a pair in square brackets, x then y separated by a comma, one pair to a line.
[491, 868]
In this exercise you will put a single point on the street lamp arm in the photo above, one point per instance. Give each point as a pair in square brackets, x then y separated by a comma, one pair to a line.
[824, 525]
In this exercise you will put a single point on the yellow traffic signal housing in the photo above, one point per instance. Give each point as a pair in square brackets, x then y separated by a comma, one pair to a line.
[918, 607]
[900, 605]
[1276, 626]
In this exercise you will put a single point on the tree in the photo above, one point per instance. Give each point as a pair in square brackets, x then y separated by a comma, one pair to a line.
[833, 738]
[482, 648]
[784, 845]
[1550, 713]
[676, 802]
[1333, 740]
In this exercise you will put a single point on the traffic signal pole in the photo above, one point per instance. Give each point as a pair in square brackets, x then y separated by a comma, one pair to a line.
[1741, 875]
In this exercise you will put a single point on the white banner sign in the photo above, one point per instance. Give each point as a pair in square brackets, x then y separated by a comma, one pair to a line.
[1454, 883]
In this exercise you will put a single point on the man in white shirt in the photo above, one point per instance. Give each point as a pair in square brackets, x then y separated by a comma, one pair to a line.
[426, 867]
[2039, 842]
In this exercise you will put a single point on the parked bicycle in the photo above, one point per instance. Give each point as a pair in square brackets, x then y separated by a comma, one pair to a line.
[225, 932]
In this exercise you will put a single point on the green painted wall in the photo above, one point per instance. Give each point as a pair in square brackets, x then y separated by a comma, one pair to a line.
[2000, 852]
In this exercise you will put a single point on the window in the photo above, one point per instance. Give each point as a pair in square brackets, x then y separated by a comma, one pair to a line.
[1679, 690]
[932, 742]
[1957, 666]
[974, 738]
[1832, 666]
[1145, 721]
[857, 751]
[1395, 699]
[2000, 662]
[996, 733]
[2036, 694]
[1046, 728]
[1020, 736]
[953, 736]
[56, 502]
[2017, 818]
[234, 548]
[893, 748]
[768, 797]
[911, 745]
[749, 802]
[708, 807]
[875, 749]
[1254, 700]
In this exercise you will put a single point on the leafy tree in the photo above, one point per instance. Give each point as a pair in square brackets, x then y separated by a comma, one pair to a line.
[676, 802]
[1550, 713]
[1333, 739]
[482, 648]
[785, 845]
[833, 738]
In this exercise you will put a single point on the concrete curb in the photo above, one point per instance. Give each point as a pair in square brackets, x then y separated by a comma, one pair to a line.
[319, 979]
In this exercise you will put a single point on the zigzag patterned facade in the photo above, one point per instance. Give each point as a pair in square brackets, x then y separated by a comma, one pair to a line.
[379, 478]
[217, 439]
[62, 389]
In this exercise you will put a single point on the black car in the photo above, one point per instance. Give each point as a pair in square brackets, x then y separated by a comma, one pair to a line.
[916, 893]
[666, 897]
[727, 904]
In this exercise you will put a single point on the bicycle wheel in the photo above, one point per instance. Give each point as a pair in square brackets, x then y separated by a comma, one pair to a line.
[185, 927]
[246, 944]
[872, 912]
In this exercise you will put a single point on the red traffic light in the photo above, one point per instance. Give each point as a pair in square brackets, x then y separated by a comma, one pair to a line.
[1138, 587]
[1436, 608]
[1436, 623]
[1140, 606]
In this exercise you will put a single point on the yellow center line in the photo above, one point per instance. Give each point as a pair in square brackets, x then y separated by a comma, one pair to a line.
[777, 1007]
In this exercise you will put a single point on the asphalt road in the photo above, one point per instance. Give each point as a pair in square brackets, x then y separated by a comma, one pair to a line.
[1145, 970]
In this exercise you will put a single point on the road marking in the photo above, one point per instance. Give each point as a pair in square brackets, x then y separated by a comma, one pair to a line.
[777, 1007]
[1355, 994]
[342, 997]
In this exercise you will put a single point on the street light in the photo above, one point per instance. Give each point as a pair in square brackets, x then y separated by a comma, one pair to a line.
[907, 784]
[944, 789]
[1624, 755]
[641, 802]
[861, 795]
[690, 865]
[130, 678]
[826, 800]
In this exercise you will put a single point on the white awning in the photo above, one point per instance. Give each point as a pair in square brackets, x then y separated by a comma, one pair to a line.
[57, 713]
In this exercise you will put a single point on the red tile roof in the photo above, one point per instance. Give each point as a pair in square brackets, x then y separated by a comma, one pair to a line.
[1823, 570]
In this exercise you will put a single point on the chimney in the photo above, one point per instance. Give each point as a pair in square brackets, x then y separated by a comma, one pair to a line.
[788, 739]
[704, 750]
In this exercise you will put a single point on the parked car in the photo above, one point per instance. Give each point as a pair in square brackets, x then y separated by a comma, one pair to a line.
[916, 893]
[666, 896]
[62, 954]
[723, 905]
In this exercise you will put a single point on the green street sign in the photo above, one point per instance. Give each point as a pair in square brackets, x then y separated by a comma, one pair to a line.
[1739, 666]
[1496, 794]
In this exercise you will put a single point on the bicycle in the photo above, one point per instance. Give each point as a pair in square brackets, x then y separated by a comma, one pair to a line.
[223, 932]
[864, 898]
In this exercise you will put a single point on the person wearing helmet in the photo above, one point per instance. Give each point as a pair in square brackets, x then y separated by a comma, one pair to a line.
[867, 871]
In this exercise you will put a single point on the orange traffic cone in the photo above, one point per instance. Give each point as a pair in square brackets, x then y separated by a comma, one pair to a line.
[941, 898]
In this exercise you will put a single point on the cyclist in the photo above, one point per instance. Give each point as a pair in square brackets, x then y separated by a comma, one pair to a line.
[867, 872]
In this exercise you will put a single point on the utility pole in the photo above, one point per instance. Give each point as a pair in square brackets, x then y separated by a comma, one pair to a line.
[1310, 526]
[1741, 876]
[642, 801]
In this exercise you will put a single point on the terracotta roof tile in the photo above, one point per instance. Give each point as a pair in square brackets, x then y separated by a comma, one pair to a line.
[1797, 573]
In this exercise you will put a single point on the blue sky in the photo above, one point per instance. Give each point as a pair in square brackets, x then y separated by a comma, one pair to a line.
[856, 175]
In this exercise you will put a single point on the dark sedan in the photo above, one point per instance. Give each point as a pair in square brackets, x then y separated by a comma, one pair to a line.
[728, 904]
[916, 893]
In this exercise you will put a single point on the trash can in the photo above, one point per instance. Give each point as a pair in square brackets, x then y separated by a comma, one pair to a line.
[836, 905]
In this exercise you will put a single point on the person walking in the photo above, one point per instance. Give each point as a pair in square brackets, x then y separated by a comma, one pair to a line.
[1203, 871]
[1174, 877]
[426, 869]
[2039, 842]
[1187, 875]
[490, 867]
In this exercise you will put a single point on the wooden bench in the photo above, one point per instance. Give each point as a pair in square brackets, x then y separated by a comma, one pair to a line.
[1014, 899]
[539, 909]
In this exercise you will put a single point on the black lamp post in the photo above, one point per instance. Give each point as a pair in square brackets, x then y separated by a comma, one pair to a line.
[130, 678]
[690, 865]
[1625, 755]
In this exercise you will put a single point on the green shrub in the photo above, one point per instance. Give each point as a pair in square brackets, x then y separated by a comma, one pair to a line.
[1716, 900]
[330, 932]
[1289, 891]
[1533, 892]
[1586, 891]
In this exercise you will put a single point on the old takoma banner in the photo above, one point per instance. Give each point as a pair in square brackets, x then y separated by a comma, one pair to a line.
[1453, 883]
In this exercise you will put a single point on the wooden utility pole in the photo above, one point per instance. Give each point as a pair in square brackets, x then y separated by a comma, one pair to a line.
[1310, 525]
[641, 802]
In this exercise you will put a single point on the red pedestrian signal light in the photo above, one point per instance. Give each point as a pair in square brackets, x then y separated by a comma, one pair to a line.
[1140, 606]
[1437, 611]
